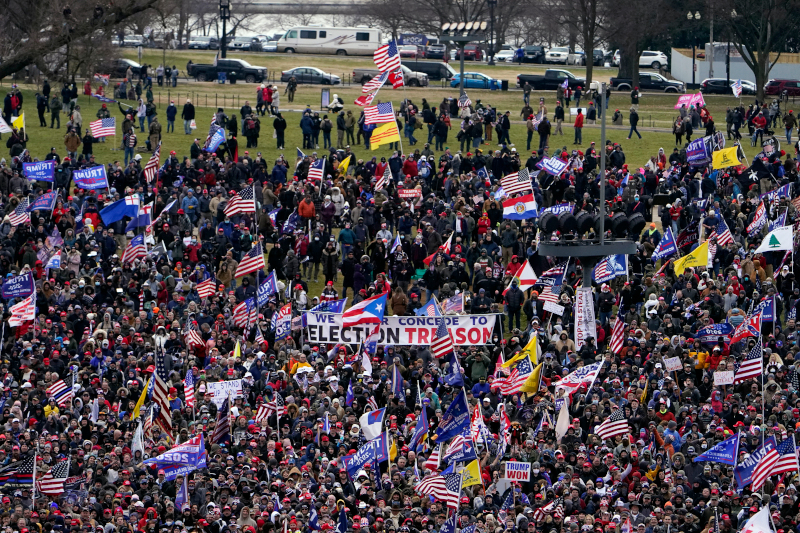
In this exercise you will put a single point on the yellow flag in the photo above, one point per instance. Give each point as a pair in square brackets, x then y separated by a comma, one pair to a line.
[531, 350]
[698, 258]
[727, 157]
[237, 351]
[471, 474]
[534, 380]
[393, 451]
[644, 394]
[19, 122]
[344, 165]
[384, 134]
[142, 398]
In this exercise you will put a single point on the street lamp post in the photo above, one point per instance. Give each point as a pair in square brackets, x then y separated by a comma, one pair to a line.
[461, 33]
[492, 3]
[224, 15]
[691, 17]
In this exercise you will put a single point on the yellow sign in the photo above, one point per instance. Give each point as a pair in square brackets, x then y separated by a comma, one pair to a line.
[727, 157]
[471, 475]
[698, 258]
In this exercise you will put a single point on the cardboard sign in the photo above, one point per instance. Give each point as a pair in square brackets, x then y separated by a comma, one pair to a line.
[516, 471]
[673, 364]
[554, 308]
[220, 390]
[723, 377]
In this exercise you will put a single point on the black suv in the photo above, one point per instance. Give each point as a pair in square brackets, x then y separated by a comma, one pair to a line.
[534, 54]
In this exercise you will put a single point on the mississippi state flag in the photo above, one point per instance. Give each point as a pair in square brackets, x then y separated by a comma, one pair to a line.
[520, 208]
[370, 311]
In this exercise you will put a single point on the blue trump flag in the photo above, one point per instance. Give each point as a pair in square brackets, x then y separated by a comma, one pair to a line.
[666, 246]
[313, 519]
[182, 459]
[40, 170]
[127, 207]
[429, 309]
[398, 389]
[91, 178]
[744, 472]
[267, 288]
[455, 420]
[348, 401]
[454, 378]
[610, 267]
[449, 525]
[725, 452]
[45, 202]
[19, 286]
[216, 138]
[766, 308]
[341, 526]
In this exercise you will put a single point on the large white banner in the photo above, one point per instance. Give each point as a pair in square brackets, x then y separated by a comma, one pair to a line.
[584, 316]
[403, 330]
[220, 390]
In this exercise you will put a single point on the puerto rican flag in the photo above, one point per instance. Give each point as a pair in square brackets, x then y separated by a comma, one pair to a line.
[369, 311]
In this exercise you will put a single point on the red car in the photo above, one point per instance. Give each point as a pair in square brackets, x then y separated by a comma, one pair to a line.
[776, 87]
[408, 50]
[472, 52]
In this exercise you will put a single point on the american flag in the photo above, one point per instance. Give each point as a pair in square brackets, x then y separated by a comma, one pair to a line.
[446, 488]
[432, 463]
[617, 334]
[387, 58]
[134, 250]
[379, 114]
[517, 182]
[246, 313]
[222, 429]
[242, 202]
[263, 413]
[276, 407]
[161, 394]
[442, 343]
[151, 168]
[765, 466]
[736, 87]
[752, 366]
[759, 220]
[614, 425]
[188, 388]
[724, 236]
[552, 279]
[383, 180]
[375, 83]
[787, 462]
[372, 404]
[105, 127]
[513, 383]
[22, 312]
[206, 288]
[556, 508]
[397, 78]
[18, 473]
[317, 170]
[61, 393]
[52, 483]
[464, 101]
[20, 215]
[253, 261]
[259, 338]
[148, 421]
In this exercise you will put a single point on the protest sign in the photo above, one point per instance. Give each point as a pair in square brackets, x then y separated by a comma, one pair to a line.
[402, 330]
[723, 377]
[672, 364]
[91, 178]
[690, 100]
[19, 286]
[518, 471]
[40, 170]
[584, 316]
[220, 390]
[554, 308]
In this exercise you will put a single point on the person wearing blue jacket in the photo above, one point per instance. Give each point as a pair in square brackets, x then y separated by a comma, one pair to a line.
[172, 112]
[307, 126]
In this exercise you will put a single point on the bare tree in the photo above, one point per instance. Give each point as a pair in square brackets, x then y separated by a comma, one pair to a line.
[760, 30]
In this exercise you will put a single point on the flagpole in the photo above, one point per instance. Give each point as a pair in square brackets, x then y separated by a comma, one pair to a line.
[33, 491]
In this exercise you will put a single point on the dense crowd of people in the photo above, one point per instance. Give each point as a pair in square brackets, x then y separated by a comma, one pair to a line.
[418, 225]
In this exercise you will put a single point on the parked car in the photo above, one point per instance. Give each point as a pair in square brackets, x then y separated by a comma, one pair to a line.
[551, 79]
[201, 42]
[407, 50]
[475, 80]
[412, 79]
[234, 69]
[654, 60]
[722, 86]
[436, 51]
[577, 57]
[559, 54]
[310, 75]
[505, 55]
[615, 59]
[134, 41]
[270, 46]
[534, 54]
[246, 44]
[472, 52]
[776, 87]
[119, 68]
[649, 81]
[435, 70]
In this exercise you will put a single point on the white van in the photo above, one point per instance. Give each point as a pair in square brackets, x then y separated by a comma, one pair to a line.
[358, 41]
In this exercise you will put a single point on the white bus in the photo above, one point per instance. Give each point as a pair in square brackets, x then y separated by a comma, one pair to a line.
[358, 41]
